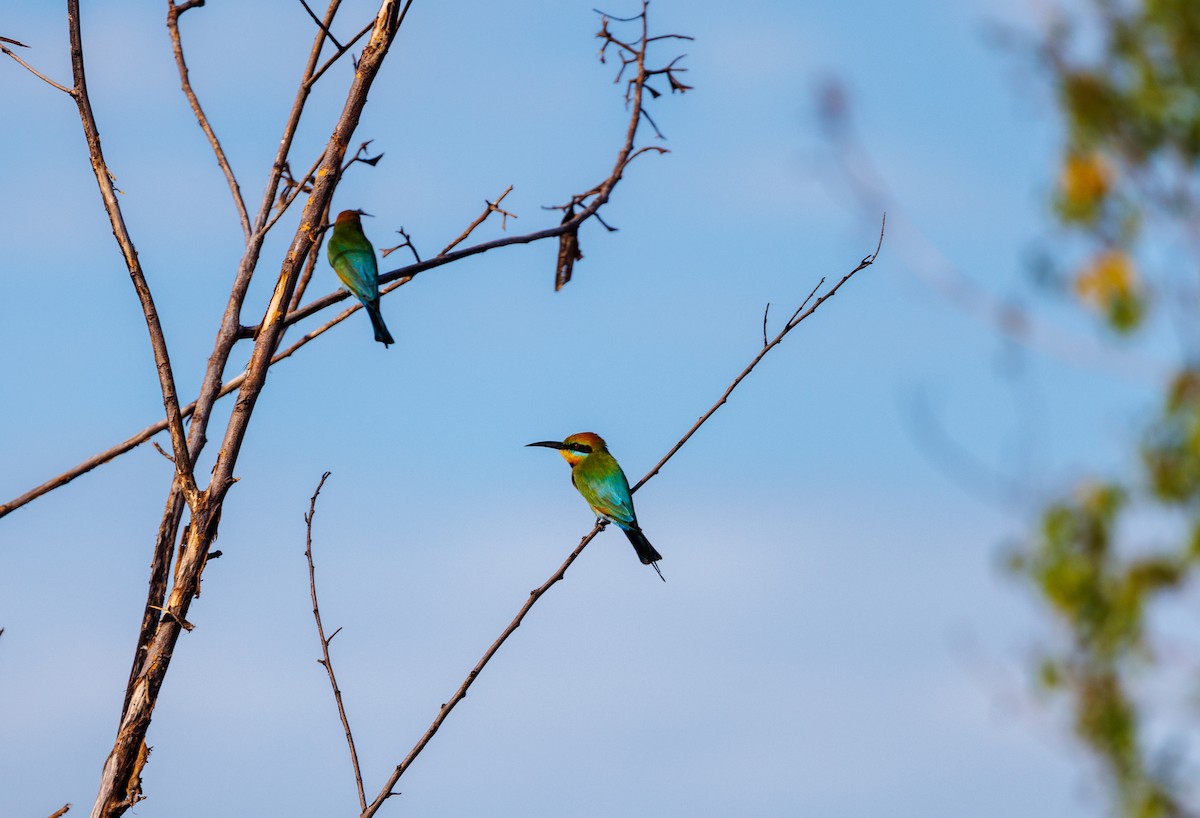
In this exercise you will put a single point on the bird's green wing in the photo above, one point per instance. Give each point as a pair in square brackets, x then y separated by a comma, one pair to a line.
[353, 259]
[604, 486]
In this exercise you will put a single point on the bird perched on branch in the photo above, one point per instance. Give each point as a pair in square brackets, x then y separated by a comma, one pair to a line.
[352, 257]
[598, 477]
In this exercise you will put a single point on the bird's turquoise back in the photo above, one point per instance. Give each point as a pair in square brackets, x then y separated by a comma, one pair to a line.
[600, 480]
[353, 259]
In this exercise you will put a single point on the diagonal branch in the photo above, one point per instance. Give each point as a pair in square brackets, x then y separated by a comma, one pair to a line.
[3, 49]
[489, 209]
[326, 661]
[322, 26]
[460, 694]
[232, 385]
[162, 360]
[797, 317]
[337, 55]
[173, 12]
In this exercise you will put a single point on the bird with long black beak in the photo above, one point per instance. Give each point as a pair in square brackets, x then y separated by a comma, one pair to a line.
[598, 477]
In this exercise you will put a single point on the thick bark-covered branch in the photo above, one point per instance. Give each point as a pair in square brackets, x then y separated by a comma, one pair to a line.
[588, 203]
[201, 408]
[120, 784]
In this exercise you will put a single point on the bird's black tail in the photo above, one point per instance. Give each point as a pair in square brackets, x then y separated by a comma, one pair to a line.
[645, 551]
[381, 331]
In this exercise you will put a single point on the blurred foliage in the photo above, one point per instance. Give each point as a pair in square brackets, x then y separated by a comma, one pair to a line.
[1127, 77]
[1131, 103]
[1172, 449]
[1101, 597]
[1109, 283]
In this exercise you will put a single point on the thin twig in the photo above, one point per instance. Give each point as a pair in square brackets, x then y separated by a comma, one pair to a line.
[292, 190]
[387, 251]
[536, 594]
[173, 12]
[489, 209]
[316, 75]
[68, 91]
[61, 811]
[797, 317]
[326, 661]
[324, 27]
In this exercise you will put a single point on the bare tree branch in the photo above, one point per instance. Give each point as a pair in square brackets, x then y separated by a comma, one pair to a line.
[326, 661]
[312, 80]
[61, 811]
[226, 337]
[323, 27]
[797, 317]
[489, 209]
[173, 12]
[68, 91]
[461, 693]
[232, 385]
[387, 251]
[162, 360]
[120, 785]
[231, 329]
[292, 188]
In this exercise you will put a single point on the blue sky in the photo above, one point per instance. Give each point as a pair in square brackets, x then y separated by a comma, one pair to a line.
[836, 636]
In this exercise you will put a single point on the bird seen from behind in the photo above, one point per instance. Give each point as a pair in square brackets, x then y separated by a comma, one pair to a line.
[352, 257]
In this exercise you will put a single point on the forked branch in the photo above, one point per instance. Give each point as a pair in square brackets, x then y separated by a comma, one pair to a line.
[6, 50]
[583, 206]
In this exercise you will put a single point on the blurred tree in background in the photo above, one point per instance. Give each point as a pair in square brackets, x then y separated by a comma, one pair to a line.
[1127, 77]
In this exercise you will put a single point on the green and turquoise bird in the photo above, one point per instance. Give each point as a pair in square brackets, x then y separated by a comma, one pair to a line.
[353, 259]
[598, 477]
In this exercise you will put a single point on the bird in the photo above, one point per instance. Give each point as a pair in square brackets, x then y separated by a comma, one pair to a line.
[352, 257]
[598, 477]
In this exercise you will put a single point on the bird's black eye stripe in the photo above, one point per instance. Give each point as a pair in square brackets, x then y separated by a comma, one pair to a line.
[581, 448]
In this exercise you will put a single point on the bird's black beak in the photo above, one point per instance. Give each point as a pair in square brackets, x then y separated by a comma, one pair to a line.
[549, 444]
[364, 213]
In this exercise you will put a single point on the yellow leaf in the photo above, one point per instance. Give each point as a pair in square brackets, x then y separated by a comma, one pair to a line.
[1109, 276]
[1085, 179]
